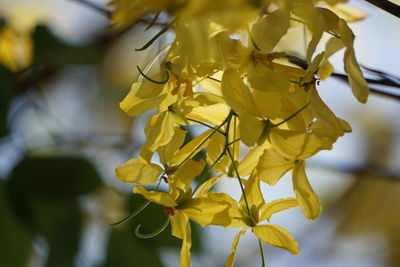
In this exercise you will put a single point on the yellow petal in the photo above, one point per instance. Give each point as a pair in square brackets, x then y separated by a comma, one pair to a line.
[162, 131]
[194, 53]
[235, 214]
[231, 258]
[192, 148]
[272, 166]
[167, 151]
[325, 70]
[327, 123]
[215, 148]
[250, 160]
[348, 13]
[268, 103]
[146, 153]
[161, 198]
[205, 211]
[234, 53]
[138, 171]
[294, 145]
[237, 94]
[356, 79]
[251, 128]
[263, 78]
[276, 236]
[178, 224]
[127, 12]
[275, 206]
[313, 67]
[142, 97]
[309, 202]
[332, 46]
[252, 192]
[317, 31]
[206, 186]
[185, 174]
[15, 48]
[214, 114]
[186, 245]
[267, 32]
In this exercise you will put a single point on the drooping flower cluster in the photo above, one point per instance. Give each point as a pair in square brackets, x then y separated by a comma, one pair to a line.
[224, 71]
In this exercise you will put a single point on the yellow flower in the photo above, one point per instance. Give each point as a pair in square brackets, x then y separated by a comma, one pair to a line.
[272, 166]
[253, 210]
[181, 206]
[15, 48]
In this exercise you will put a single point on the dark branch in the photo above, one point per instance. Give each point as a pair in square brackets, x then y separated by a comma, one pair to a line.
[381, 92]
[386, 6]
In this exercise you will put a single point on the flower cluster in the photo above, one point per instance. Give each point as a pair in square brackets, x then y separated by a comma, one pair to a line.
[260, 105]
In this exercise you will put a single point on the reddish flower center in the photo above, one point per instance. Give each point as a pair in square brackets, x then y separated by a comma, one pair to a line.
[169, 211]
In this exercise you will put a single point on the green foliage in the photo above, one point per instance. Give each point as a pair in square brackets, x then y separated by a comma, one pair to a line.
[56, 177]
[6, 84]
[16, 239]
[52, 53]
[43, 193]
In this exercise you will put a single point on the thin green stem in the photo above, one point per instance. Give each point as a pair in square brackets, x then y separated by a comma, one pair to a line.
[234, 135]
[231, 113]
[205, 140]
[152, 40]
[195, 150]
[151, 80]
[234, 141]
[214, 79]
[138, 210]
[239, 180]
[133, 214]
[152, 22]
[291, 116]
[262, 253]
[153, 234]
[206, 125]
[209, 169]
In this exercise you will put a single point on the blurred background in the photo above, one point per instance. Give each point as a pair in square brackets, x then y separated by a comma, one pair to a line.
[62, 134]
